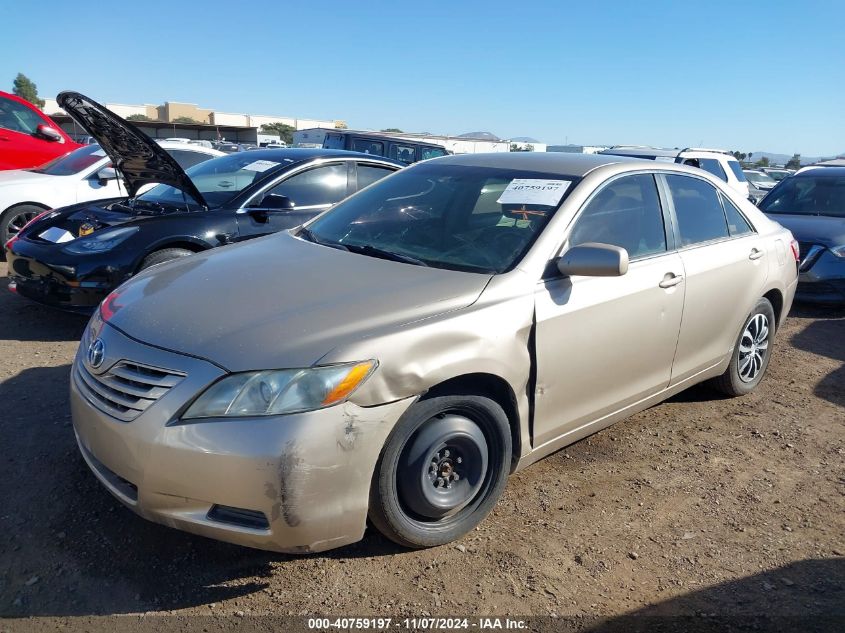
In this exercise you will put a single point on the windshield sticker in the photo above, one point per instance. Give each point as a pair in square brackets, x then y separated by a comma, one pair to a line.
[534, 191]
[260, 165]
[56, 235]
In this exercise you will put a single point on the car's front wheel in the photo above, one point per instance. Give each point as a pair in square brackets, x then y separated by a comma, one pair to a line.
[164, 255]
[441, 471]
[752, 352]
[14, 219]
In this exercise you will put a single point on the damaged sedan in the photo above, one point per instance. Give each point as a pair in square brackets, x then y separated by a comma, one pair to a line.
[396, 358]
[72, 257]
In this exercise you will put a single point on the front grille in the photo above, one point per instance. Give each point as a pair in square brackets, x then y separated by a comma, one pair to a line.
[127, 389]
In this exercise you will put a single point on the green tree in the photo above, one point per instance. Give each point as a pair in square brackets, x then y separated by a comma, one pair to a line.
[392, 129]
[138, 117]
[794, 162]
[284, 130]
[26, 89]
[763, 162]
[185, 119]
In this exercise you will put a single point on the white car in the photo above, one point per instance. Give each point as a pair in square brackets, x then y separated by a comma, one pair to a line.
[720, 163]
[82, 175]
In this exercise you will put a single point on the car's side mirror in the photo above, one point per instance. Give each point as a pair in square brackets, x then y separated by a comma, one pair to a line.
[49, 133]
[275, 202]
[106, 174]
[594, 259]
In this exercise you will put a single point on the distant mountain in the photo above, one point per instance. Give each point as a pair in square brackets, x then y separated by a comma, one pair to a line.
[480, 136]
[781, 159]
[524, 139]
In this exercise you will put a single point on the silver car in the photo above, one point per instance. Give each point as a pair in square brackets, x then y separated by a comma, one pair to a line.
[401, 354]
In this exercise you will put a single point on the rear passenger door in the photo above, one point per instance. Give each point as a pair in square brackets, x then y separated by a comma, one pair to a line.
[725, 266]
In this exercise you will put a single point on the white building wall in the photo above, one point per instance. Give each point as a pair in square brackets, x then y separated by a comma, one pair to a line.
[257, 120]
[230, 118]
[124, 110]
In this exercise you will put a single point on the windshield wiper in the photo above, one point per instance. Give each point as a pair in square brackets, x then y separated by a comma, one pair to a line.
[373, 251]
[311, 237]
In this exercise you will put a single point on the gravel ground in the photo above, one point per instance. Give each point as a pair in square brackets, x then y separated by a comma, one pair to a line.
[698, 505]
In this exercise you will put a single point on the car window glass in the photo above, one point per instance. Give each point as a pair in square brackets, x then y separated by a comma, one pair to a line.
[624, 213]
[737, 170]
[431, 152]
[714, 167]
[367, 146]
[315, 187]
[698, 209]
[17, 117]
[334, 141]
[737, 224]
[404, 153]
[73, 162]
[188, 159]
[368, 174]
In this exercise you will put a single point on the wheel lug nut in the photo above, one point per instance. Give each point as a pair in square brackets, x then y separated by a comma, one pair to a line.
[455, 477]
[439, 483]
[459, 460]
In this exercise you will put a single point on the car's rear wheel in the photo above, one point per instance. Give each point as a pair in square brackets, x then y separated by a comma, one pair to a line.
[441, 471]
[751, 353]
[164, 255]
[14, 219]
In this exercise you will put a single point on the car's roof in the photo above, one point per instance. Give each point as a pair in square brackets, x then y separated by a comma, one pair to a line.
[819, 170]
[299, 154]
[558, 163]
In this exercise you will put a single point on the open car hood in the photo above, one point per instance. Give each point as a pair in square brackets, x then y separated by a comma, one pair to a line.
[134, 154]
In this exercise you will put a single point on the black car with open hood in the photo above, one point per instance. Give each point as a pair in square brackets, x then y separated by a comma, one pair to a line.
[74, 256]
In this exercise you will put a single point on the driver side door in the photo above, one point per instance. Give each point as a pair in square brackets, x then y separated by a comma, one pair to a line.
[604, 343]
[311, 191]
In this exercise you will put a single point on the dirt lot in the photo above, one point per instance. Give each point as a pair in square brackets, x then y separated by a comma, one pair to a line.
[699, 505]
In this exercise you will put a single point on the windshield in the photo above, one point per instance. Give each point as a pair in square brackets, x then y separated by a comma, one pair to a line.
[777, 174]
[73, 162]
[737, 170]
[220, 179]
[445, 216]
[758, 176]
[810, 195]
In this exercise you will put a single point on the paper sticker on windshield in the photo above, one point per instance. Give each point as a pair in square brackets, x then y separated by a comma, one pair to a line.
[260, 165]
[534, 191]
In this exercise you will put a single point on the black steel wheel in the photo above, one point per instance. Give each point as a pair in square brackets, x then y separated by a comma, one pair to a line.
[441, 471]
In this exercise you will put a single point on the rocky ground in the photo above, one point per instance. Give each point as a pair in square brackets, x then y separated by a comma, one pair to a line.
[701, 505]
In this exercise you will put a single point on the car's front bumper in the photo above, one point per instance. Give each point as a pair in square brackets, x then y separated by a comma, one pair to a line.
[294, 483]
[823, 281]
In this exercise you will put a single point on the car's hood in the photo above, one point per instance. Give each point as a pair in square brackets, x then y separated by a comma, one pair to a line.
[79, 220]
[819, 229]
[136, 155]
[279, 301]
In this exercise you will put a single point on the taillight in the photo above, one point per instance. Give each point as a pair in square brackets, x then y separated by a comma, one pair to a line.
[796, 250]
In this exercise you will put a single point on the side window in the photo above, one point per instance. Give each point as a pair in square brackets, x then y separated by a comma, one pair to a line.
[317, 187]
[376, 148]
[368, 174]
[404, 153]
[714, 167]
[431, 152]
[333, 141]
[188, 159]
[699, 211]
[737, 224]
[624, 213]
[17, 117]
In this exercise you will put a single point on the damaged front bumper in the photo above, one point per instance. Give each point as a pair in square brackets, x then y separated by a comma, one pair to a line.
[293, 483]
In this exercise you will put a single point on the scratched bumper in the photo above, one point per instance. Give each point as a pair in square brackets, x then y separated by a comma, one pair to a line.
[308, 474]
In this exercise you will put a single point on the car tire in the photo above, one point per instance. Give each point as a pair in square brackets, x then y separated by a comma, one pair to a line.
[441, 471]
[14, 218]
[162, 256]
[752, 352]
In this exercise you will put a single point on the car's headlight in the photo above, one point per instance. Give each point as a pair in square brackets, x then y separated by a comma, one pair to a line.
[100, 242]
[839, 251]
[274, 392]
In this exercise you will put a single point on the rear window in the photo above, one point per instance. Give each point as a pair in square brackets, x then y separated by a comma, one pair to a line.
[333, 141]
[72, 163]
[431, 152]
[737, 170]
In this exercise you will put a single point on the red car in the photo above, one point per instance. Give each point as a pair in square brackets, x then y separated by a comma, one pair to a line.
[28, 137]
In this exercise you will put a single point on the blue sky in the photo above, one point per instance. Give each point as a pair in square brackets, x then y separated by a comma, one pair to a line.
[749, 75]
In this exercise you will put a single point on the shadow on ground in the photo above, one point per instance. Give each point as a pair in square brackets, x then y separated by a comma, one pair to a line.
[826, 337]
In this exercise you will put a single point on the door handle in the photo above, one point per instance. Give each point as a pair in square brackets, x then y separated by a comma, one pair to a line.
[671, 279]
[756, 253]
